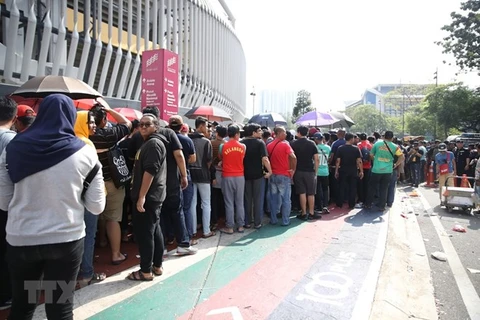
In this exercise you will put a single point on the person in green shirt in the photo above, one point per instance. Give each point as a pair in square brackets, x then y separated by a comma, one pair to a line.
[321, 197]
[383, 154]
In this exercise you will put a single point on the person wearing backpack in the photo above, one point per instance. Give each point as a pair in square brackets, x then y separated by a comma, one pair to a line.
[365, 147]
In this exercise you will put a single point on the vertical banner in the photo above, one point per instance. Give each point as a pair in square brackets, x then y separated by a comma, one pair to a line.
[160, 81]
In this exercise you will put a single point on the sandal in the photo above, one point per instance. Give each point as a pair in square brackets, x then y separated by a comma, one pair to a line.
[208, 235]
[241, 230]
[193, 242]
[117, 262]
[97, 277]
[227, 231]
[158, 271]
[138, 276]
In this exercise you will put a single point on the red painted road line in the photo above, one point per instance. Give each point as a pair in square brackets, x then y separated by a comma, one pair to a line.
[259, 290]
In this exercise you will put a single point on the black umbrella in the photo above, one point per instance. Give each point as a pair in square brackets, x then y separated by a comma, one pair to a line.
[268, 119]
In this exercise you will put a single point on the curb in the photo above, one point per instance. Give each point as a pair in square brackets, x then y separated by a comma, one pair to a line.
[404, 287]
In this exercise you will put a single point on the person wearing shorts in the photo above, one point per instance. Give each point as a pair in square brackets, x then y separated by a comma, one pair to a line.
[305, 178]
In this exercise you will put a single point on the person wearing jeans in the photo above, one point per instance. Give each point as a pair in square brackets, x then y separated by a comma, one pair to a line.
[84, 127]
[283, 162]
[257, 172]
[200, 172]
[280, 198]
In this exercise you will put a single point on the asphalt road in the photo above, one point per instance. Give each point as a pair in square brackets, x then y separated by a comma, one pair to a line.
[450, 302]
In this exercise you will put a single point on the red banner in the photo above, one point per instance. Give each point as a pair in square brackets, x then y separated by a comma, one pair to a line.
[160, 81]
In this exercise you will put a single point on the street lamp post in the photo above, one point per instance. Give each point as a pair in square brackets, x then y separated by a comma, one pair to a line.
[253, 94]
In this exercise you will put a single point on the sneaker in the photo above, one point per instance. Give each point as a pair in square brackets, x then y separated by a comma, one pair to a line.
[325, 211]
[186, 251]
[6, 305]
[359, 205]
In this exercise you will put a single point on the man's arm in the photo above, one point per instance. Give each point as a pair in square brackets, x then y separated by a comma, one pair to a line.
[119, 118]
[192, 158]
[292, 160]
[266, 164]
[317, 162]
[180, 160]
[146, 183]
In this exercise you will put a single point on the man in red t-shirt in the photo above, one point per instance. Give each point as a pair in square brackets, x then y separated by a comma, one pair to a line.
[364, 146]
[283, 162]
[233, 180]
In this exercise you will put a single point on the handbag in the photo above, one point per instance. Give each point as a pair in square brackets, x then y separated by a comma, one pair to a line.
[444, 167]
[118, 167]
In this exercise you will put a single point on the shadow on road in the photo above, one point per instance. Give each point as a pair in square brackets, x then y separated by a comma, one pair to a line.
[365, 217]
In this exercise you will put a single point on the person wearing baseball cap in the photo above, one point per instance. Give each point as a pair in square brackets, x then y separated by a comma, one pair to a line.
[446, 167]
[25, 117]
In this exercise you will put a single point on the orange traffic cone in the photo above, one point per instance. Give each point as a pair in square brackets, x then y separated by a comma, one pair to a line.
[465, 183]
[430, 177]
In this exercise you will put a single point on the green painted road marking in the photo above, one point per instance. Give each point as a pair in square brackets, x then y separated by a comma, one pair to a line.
[179, 293]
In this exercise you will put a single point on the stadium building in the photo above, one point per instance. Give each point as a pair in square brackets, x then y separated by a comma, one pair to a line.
[101, 42]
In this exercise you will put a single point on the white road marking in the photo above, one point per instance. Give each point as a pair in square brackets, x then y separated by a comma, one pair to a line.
[363, 306]
[467, 290]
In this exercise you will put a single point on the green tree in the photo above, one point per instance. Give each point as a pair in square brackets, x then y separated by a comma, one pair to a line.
[367, 119]
[302, 105]
[418, 122]
[450, 104]
[463, 32]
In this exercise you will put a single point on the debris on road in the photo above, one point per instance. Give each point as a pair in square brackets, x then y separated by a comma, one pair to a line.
[473, 271]
[439, 256]
[433, 214]
[426, 240]
[404, 216]
[413, 194]
[459, 228]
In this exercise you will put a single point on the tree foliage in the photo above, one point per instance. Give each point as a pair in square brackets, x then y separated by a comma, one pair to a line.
[302, 105]
[368, 119]
[463, 39]
[451, 105]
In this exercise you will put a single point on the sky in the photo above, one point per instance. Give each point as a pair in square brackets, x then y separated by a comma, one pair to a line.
[337, 49]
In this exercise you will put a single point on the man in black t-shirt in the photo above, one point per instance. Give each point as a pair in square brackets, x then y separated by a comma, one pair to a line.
[148, 193]
[348, 162]
[305, 176]
[255, 160]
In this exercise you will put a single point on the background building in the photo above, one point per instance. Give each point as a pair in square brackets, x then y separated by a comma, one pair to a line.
[392, 99]
[279, 101]
[45, 37]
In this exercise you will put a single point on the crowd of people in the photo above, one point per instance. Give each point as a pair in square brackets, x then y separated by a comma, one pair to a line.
[103, 183]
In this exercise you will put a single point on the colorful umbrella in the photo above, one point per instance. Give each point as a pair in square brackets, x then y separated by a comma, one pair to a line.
[87, 104]
[317, 119]
[210, 112]
[129, 113]
[268, 119]
[40, 87]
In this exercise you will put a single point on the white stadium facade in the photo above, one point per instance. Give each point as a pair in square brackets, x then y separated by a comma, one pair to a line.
[47, 37]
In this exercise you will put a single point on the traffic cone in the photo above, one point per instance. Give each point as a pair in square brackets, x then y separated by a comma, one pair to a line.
[464, 183]
[430, 177]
